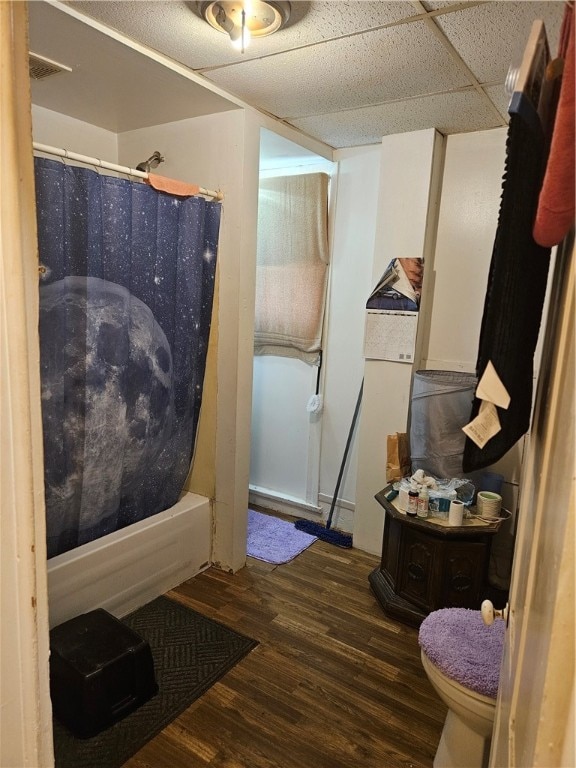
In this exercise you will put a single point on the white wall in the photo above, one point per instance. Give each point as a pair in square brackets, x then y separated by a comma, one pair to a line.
[198, 150]
[469, 205]
[350, 284]
[409, 191]
[281, 427]
[221, 152]
[59, 130]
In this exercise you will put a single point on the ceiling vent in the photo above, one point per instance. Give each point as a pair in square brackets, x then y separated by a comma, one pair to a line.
[41, 67]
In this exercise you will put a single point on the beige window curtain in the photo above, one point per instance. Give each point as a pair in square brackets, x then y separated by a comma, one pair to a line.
[292, 266]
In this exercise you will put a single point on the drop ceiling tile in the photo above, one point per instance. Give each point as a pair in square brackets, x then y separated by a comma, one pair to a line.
[334, 18]
[500, 99]
[435, 5]
[394, 63]
[169, 27]
[492, 36]
[448, 113]
[175, 29]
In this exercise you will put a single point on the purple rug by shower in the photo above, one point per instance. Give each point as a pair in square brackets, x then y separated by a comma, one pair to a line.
[273, 540]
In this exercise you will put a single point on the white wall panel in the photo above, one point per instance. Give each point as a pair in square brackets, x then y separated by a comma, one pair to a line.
[471, 186]
[280, 425]
[409, 184]
[221, 152]
[59, 130]
[350, 284]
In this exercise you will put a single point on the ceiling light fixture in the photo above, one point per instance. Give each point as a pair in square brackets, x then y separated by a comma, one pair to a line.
[243, 19]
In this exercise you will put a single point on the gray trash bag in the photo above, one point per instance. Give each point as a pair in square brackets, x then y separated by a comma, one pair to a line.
[440, 406]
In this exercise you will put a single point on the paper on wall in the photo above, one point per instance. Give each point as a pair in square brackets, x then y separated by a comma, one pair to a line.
[390, 335]
[402, 278]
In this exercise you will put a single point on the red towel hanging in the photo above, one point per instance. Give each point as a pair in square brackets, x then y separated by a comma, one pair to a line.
[555, 214]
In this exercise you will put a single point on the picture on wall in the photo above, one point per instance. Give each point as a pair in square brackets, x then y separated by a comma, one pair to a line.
[392, 312]
[400, 287]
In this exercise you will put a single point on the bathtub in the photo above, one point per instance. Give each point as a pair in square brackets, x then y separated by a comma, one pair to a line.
[128, 568]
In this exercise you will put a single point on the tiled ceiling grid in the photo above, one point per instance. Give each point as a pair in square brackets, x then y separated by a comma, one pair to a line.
[349, 73]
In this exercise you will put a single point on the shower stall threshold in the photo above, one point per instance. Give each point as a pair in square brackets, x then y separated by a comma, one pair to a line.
[128, 568]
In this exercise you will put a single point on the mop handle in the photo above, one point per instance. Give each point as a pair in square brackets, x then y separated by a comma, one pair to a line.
[343, 464]
[318, 373]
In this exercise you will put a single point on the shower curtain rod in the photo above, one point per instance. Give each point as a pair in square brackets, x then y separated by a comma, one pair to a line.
[67, 154]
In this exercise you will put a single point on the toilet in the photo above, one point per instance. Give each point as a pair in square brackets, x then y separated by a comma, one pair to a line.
[462, 657]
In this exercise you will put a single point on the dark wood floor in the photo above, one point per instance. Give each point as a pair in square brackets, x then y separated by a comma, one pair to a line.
[334, 683]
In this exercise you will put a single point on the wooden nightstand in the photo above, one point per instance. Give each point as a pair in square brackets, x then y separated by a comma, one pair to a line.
[427, 564]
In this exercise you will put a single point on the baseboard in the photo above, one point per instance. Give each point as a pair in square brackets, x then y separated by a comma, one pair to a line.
[341, 503]
[280, 502]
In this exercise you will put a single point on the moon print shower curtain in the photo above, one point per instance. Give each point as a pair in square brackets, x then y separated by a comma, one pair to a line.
[127, 282]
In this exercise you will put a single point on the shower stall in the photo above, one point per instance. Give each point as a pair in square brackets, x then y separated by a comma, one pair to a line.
[126, 287]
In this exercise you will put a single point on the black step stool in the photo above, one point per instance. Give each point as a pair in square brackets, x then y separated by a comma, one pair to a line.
[100, 671]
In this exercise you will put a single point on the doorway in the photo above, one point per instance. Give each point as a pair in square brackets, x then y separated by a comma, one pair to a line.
[285, 436]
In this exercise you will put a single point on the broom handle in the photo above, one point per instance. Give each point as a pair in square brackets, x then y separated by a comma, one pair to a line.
[343, 464]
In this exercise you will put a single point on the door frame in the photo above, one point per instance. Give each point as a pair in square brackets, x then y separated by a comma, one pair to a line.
[534, 722]
[26, 723]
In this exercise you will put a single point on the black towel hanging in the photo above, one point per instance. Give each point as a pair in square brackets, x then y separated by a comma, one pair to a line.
[519, 266]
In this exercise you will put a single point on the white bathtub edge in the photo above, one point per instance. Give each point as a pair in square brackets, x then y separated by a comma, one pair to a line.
[128, 568]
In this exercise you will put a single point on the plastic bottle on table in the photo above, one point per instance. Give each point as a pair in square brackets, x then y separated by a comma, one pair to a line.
[423, 498]
[412, 503]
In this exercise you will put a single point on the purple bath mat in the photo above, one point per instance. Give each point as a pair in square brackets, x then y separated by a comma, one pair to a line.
[273, 540]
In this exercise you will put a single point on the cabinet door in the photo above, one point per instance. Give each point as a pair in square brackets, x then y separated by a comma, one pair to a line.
[463, 575]
[391, 550]
[417, 568]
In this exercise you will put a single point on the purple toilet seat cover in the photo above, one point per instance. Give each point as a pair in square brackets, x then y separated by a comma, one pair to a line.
[458, 642]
